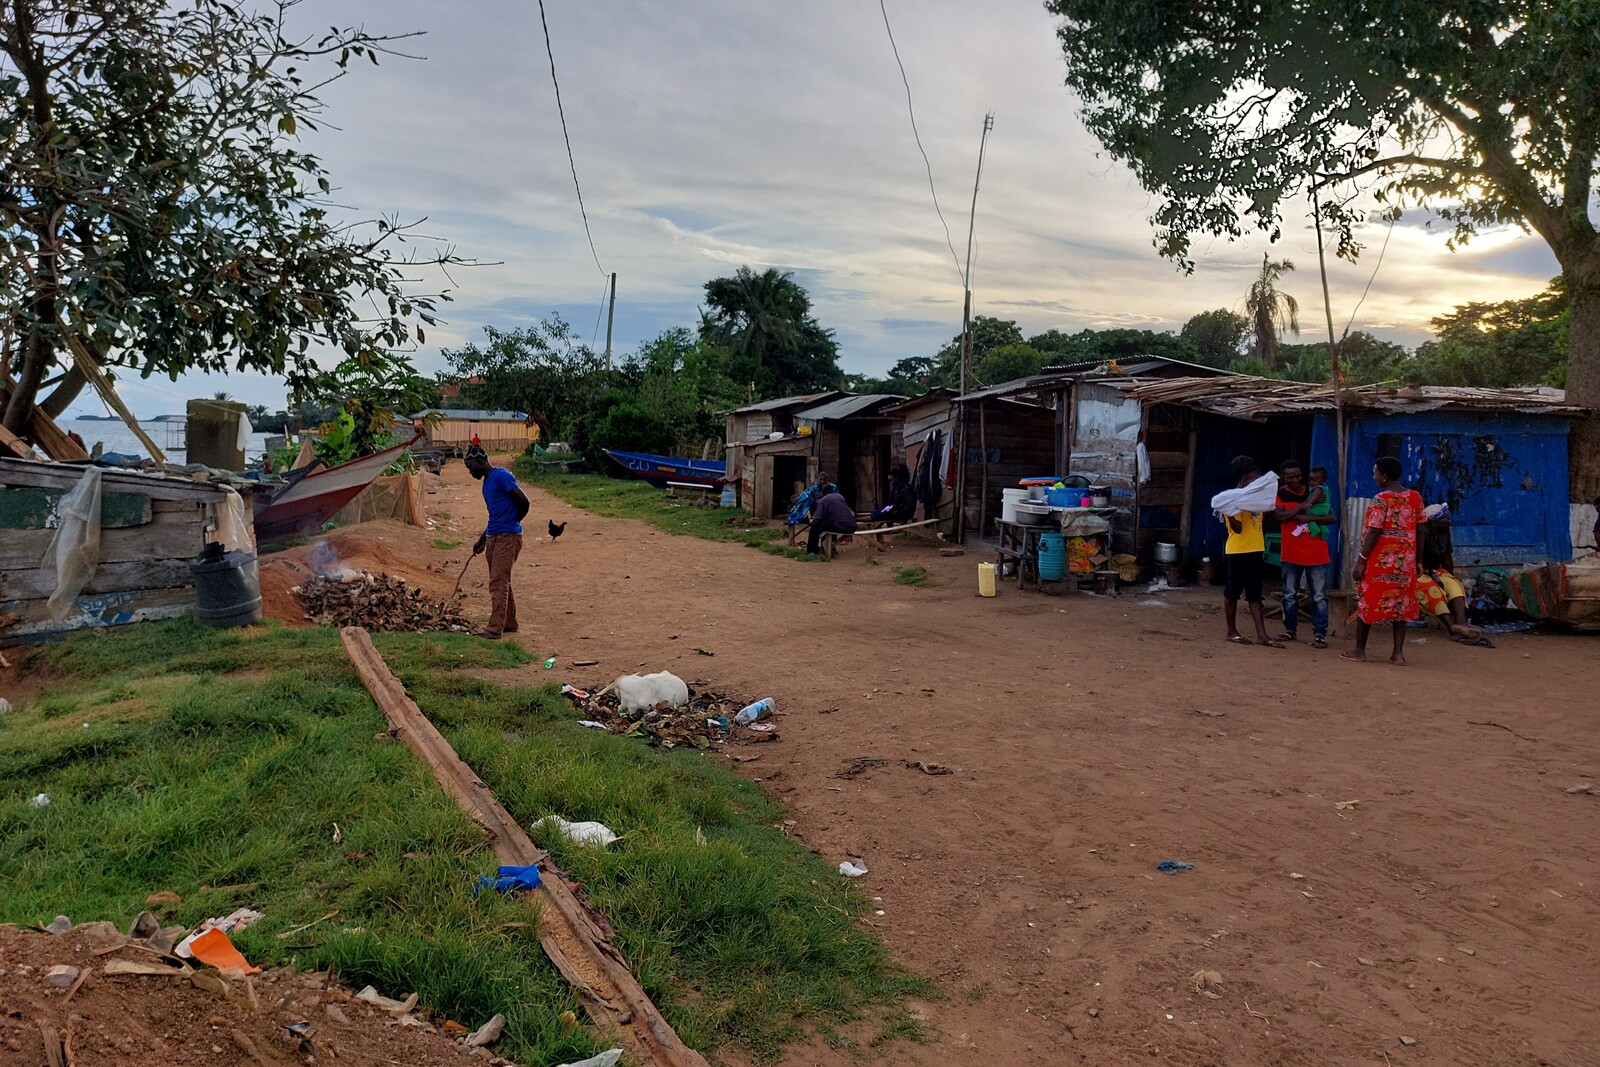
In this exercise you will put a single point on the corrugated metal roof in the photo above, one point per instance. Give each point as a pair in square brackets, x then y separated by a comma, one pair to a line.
[1135, 366]
[1249, 397]
[779, 403]
[845, 406]
[474, 415]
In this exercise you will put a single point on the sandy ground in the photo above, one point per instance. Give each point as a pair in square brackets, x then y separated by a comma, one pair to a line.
[1388, 865]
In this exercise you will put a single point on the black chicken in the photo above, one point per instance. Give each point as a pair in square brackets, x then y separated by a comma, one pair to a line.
[556, 529]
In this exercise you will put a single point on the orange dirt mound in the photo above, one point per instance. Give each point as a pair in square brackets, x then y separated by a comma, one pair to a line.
[130, 1019]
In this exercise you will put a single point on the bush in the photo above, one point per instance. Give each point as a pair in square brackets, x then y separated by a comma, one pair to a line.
[622, 424]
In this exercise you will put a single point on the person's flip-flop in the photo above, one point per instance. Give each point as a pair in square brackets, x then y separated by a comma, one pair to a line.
[1271, 644]
[1286, 637]
[1239, 639]
[1398, 662]
[1352, 657]
[1476, 642]
[1319, 643]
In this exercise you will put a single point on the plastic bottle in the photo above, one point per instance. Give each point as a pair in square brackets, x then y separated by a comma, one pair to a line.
[550, 663]
[761, 709]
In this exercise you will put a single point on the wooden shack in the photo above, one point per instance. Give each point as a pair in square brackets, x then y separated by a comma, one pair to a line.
[497, 431]
[152, 527]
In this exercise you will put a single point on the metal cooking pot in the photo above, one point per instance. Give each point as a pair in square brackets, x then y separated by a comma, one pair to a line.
[1099, 500]
[1166, 553]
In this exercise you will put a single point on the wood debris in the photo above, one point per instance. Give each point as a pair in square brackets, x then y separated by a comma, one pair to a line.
[376, 602]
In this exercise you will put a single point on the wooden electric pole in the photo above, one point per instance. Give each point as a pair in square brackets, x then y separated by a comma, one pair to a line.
[972, 219]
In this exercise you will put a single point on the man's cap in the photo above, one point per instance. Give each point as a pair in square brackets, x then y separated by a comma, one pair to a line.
[475, 451]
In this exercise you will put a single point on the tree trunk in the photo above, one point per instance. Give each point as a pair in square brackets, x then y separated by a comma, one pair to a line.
[1583, 382]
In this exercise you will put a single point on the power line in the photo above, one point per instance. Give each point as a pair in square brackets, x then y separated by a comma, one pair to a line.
[565, 137]
[1370, 280]
[912, 112]
[600, 314]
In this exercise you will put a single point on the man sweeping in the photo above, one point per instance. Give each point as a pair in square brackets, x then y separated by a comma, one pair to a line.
[501, 538]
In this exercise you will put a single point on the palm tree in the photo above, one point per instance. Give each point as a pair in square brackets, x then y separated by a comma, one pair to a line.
[752, 313]
[1270, 311]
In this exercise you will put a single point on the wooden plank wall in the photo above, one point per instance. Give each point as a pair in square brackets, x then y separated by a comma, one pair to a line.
[1021, 443]
[143, 569]
[918, 421]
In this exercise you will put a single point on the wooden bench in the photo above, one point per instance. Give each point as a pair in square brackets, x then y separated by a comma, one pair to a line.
[877, 530]
[674, 488]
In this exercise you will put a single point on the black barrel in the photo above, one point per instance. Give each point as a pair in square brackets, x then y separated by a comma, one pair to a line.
[227, 588]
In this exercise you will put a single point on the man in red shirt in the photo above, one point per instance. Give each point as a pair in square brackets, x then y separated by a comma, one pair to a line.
[1306, 559]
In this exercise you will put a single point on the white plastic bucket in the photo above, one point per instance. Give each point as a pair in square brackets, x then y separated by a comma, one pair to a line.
[1009, 498]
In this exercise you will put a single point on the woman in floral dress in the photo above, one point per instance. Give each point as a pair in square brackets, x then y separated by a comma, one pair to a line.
[1386, 567]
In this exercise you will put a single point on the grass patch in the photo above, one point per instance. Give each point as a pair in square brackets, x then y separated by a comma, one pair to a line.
[917, 577]
[442, 544]
[179, 758]
[619, 498]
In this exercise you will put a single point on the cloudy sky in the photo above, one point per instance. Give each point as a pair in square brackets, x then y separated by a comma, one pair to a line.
[714, 133]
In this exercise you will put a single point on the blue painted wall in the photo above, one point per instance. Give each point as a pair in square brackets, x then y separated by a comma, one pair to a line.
[1503, 475]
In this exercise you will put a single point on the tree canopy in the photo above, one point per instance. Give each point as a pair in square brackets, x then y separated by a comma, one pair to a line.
[1486, 112]
[765, 322]
[156, 208]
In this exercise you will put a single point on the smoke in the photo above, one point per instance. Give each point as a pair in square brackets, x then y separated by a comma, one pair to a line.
[326, 563]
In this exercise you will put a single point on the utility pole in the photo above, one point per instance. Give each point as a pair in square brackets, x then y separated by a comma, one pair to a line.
[966, 309]
[1333, 350]
[610, 317]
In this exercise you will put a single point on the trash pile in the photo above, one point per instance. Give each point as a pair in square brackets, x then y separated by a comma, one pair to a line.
[704, 719]
[377, 602]
[154, 971]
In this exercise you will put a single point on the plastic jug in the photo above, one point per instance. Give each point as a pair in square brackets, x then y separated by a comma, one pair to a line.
[986, 579]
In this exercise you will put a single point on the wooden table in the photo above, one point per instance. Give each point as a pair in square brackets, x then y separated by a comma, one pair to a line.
[1019, 543]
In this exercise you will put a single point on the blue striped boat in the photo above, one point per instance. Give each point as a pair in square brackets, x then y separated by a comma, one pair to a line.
[659, 470]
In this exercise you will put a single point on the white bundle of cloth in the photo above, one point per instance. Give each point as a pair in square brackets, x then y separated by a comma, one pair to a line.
[1260, 495]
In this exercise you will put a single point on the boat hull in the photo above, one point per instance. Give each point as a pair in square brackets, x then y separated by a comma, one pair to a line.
[301, 509]
[659, 471]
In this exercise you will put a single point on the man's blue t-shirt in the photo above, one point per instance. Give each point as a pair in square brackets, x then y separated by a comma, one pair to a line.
[497, 487]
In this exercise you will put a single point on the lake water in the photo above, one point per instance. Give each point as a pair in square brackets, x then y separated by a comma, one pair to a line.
[168, 437]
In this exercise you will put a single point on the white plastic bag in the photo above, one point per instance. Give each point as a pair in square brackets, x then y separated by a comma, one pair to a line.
[851, 870]
[75, 548]
[640, 692]
[592, 834]
[608, 1058]
[235, 531]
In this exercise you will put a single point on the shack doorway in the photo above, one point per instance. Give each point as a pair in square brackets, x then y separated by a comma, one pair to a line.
[1218, 439]
[788, 479]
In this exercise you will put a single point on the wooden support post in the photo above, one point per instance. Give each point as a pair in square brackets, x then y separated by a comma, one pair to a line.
[21, 448]
[574, 942]
[97, 377]
[1186, 523]
[983, 448]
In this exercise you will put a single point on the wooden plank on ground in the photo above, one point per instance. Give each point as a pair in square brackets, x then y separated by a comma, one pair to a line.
[613, 998]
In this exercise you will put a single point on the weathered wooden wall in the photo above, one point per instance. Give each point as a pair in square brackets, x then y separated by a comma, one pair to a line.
[151, 528]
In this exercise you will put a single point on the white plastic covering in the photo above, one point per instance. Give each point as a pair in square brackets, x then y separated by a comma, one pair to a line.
[234, 530]
[75, 549]
[245, 430]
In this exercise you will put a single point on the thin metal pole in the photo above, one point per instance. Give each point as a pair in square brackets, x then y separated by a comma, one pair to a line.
[972, 221]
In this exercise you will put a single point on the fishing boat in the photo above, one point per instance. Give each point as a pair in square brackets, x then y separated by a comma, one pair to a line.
[314, 494]
[661, 470]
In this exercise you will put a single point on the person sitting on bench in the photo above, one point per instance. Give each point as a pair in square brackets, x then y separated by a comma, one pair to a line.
[831, 515]
[902, 506]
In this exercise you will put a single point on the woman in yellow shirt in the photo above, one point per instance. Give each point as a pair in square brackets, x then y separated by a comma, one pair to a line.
[1246, 552]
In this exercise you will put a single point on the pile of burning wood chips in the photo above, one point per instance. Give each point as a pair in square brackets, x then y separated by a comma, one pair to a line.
[377, 602]
[706, 721]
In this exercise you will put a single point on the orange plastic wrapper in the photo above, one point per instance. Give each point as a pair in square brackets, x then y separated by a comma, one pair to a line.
[213, 947]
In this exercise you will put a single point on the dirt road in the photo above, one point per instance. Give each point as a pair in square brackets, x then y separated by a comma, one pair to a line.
[1387, 864]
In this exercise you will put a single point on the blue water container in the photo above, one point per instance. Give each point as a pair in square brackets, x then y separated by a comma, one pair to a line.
[1063, 498]
[1052, 556]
